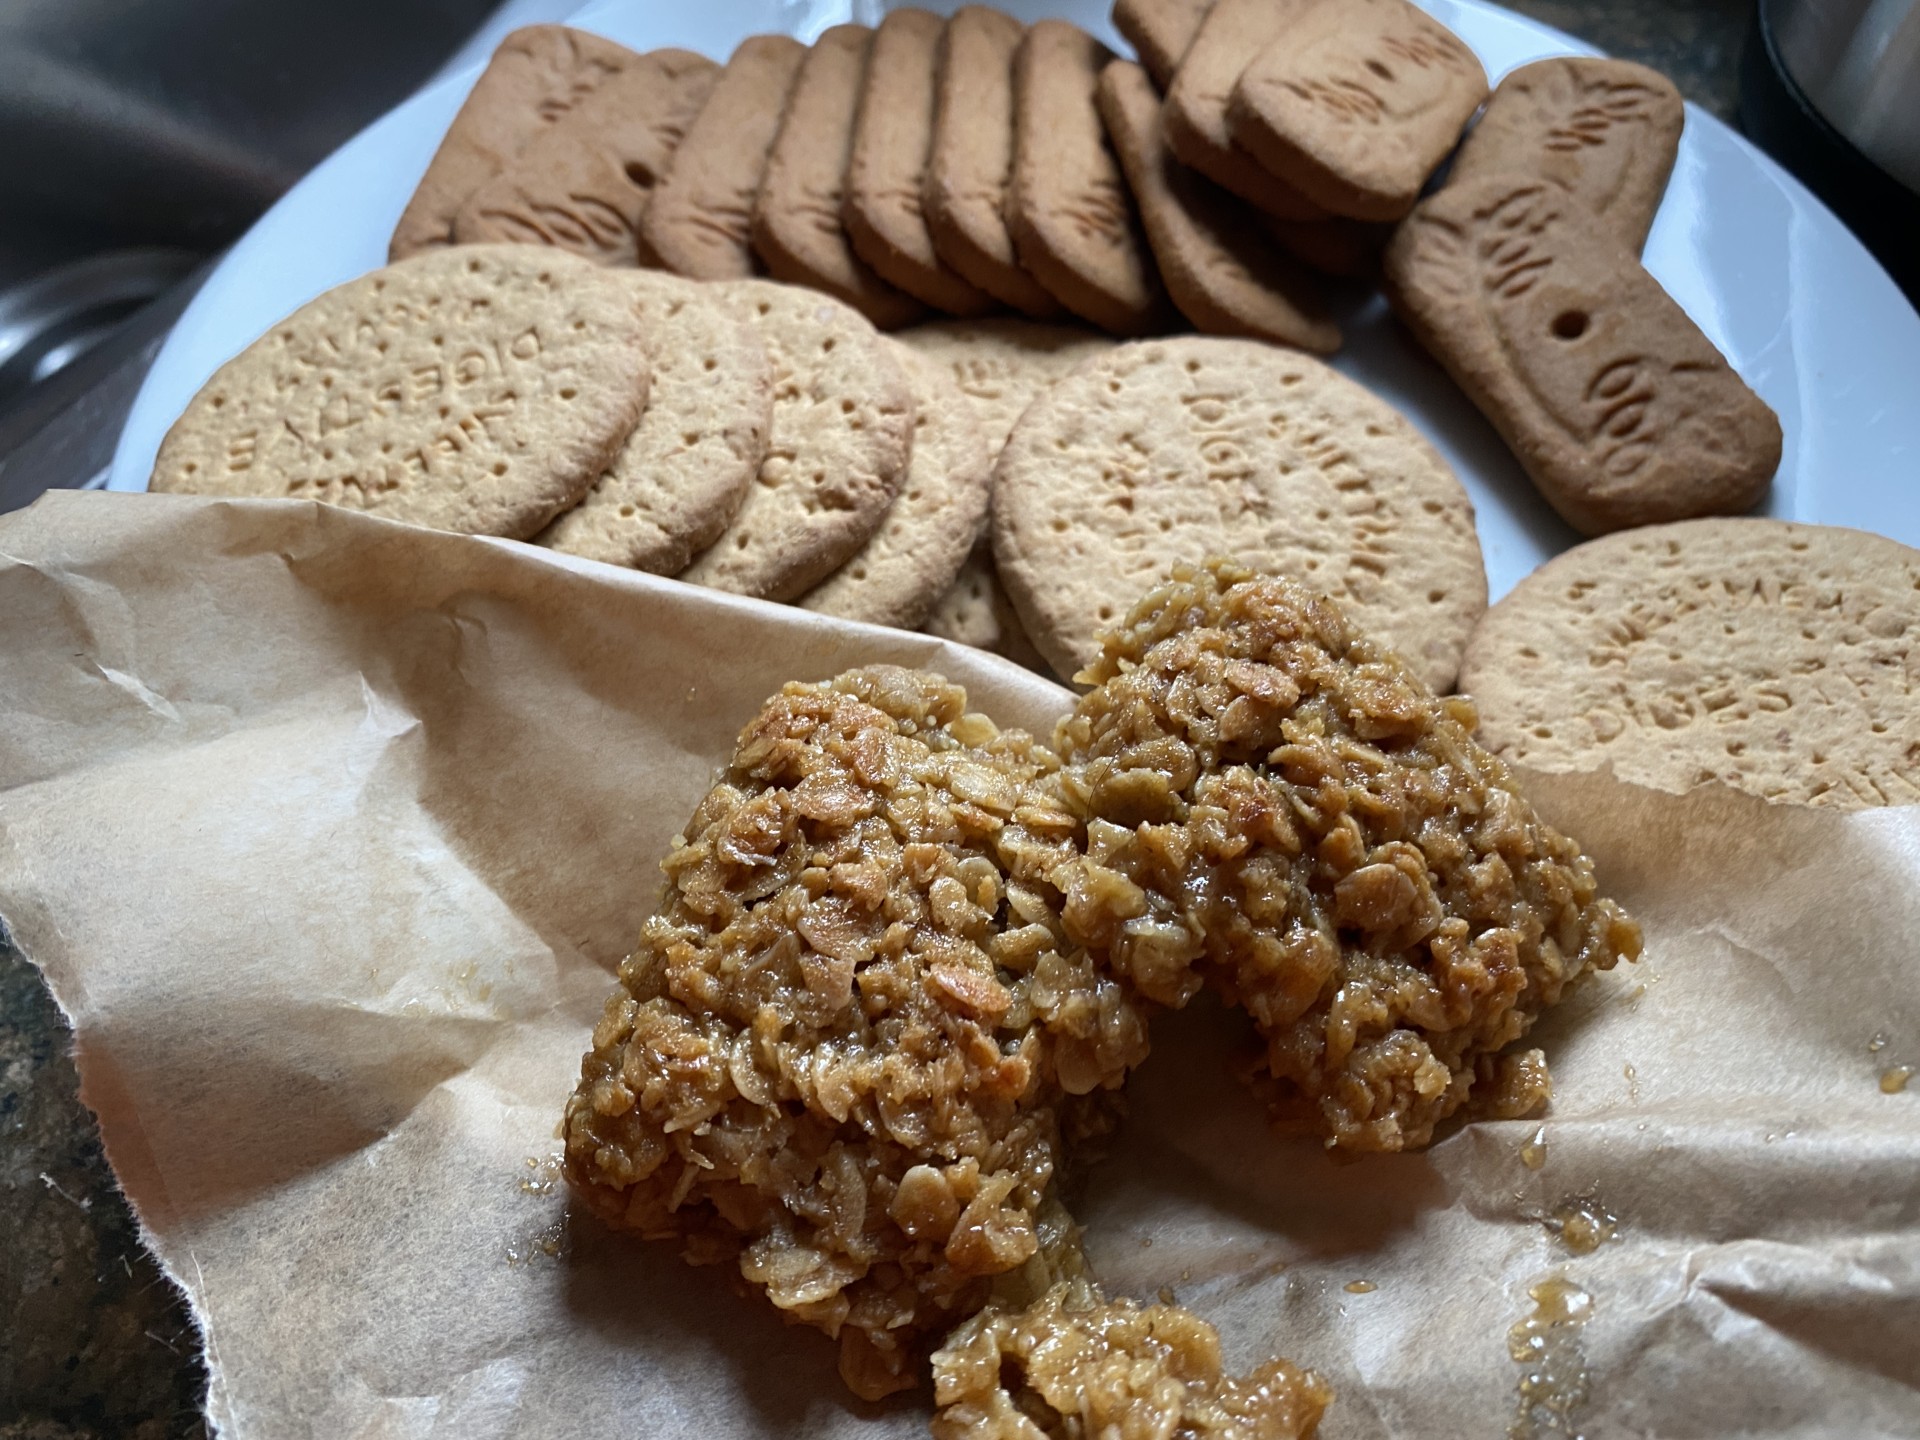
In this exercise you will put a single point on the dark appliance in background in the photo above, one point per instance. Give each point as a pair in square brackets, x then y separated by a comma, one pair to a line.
[138, 138]
[1831, 88]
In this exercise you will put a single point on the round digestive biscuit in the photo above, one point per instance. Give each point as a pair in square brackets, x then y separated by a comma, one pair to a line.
[1178, 450]
[976, 611]
[681, 476]
[939, 512]
[1002, 365]
[841, 434]
[477, 389]
[1780, 659]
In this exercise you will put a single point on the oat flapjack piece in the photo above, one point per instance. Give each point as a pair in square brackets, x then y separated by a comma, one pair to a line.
[1218, 264]
[582, 183]
[478, 389]
[684, 472]
[869, 1118]
[1075, 1363]
[1231, 34]
[697, 221]
[883, 212]
[1618, 407]
[937, 515]
[1173, 450]
[837, 446]
[1606, 131]
[1160, 32]
[970, 162]
[1356, 103]
[535, 77]
[1072, 219]
[1776, 658]
[1281, 807]
[798, 232]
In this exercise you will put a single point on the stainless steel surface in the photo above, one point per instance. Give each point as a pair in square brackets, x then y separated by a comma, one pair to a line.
[51, 320]
[144, 136]
[60, 434]
[1858, 62]
[177, 121]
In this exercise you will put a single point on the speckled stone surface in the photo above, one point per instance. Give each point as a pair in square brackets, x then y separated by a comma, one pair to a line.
[1697, 42]
[94, 1341]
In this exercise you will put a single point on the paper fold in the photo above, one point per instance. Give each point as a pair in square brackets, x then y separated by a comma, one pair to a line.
[328, 834]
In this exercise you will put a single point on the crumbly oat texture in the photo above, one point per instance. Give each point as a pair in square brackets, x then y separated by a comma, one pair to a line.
[976, 611]
[1779, 659]
[837, 447]
[1607, 131]
[1354, 104]
[1278, 805]
[940, 510]
[536, 75]
[1617, 404]
[697, 221]
[1002, 365]
[1221, 268]
[582, 183]
[1075, 1365]
[478, 389]
[684, 472]
[892, 138]
[1073, 223]
[1231, 33]
[798, 232]
[1174, 450]
[970, 160]
[868, 1118]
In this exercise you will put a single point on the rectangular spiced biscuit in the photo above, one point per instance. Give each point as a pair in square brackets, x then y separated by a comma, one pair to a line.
[535, 77]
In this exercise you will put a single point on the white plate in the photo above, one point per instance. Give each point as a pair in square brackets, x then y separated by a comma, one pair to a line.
[1794, 301]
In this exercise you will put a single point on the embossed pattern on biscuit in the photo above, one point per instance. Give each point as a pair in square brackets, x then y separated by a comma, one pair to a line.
[682, 474]
[1221, 268]
[837, 448]
[1003, 365]
[1072, 219]
[938, 513]
[535, 77]
[1614, 401]
[1777, 658]
[1231, 34]
[1607, 131]
[1356, 103]
[583, 183]
[797, 227]
[1167, 450]
[886, 171]
[477, 389]
[970, 161]
[698, 220]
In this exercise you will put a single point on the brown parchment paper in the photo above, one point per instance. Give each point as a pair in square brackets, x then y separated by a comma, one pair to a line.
[328, 834]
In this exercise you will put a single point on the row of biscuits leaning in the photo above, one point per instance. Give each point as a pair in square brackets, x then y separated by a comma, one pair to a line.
[750, 436]
[825, 505]
[971, 164]
[959, 166]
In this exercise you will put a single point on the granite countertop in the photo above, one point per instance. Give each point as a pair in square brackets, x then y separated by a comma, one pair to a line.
[94, 1340]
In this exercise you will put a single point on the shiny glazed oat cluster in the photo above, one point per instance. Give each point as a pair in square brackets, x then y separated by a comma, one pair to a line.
[852, 1050]
[1279, 805]
[907, 961]
[1076, 1364]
